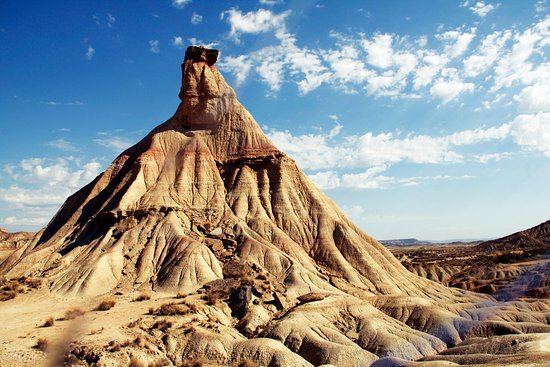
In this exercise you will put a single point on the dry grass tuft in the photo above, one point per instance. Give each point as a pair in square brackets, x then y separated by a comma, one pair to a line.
[170, 309]
[135, 362]
[41, 344]
[73, 313]
[181, 295]
[106, 305]
[143, 297]
[49, 322]
[162, 325]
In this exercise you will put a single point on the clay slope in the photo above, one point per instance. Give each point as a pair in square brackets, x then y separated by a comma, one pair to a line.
[514, 266]
[12, 240]
[536, 238]
[205, 205]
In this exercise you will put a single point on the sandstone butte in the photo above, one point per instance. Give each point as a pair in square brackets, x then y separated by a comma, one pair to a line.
[269, 270]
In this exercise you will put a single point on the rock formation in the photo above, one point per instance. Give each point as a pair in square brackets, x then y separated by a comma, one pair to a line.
[206, 205]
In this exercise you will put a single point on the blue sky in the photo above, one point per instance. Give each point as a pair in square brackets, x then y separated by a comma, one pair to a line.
[427, 119]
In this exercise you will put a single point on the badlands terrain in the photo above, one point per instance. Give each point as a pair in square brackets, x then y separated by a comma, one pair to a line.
[204, 245]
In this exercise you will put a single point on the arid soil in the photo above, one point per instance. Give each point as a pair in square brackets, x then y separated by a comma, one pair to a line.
[512, 267]
[204, 245]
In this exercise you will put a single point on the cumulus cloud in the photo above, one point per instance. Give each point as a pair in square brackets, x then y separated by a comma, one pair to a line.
[154, 46]
[480, 9]
[330, 150]
[196, 18]
[253, 22]
[532, 132]
[449, 86]
[534, 98]
[393, 65]
[180, 3]
[39, 186]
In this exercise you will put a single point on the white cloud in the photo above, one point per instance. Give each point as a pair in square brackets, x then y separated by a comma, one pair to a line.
[481, 9]
[40, 186]
[49, 181]
[178, 42]
[90, 52]
[154, 46]
[532, 132]
[239, 66]
[253, 22]
[180, 3]
[456, 42]
[487, 53]
[534, 98]
[62, 144]
[496, 157]
[449, 86]
[371, 179]
[195, 41]
[196, 18]
[330, 150]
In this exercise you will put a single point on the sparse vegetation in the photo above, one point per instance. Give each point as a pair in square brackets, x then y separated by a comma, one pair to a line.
[170, 309]
[114, 346]
[135, 362]
[49, 322]
[143, 297]
[73, 313]
[41, 344]
[162, 325]
[106, 305]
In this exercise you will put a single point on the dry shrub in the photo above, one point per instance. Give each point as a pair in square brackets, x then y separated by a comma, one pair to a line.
[170, 309]
[192, 305]
[49, 322]
[31, 282]
[73, 313]
[143, 297]
[106, 305]
[139, 342]
[162, 325]
[7, 295]
[114, 346]
[41, 344]
[134, 362]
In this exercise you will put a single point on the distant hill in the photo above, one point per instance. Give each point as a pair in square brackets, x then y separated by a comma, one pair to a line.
[535, 239]
[404, 242]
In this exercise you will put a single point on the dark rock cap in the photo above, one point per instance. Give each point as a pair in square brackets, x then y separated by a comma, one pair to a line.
[201, 54]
